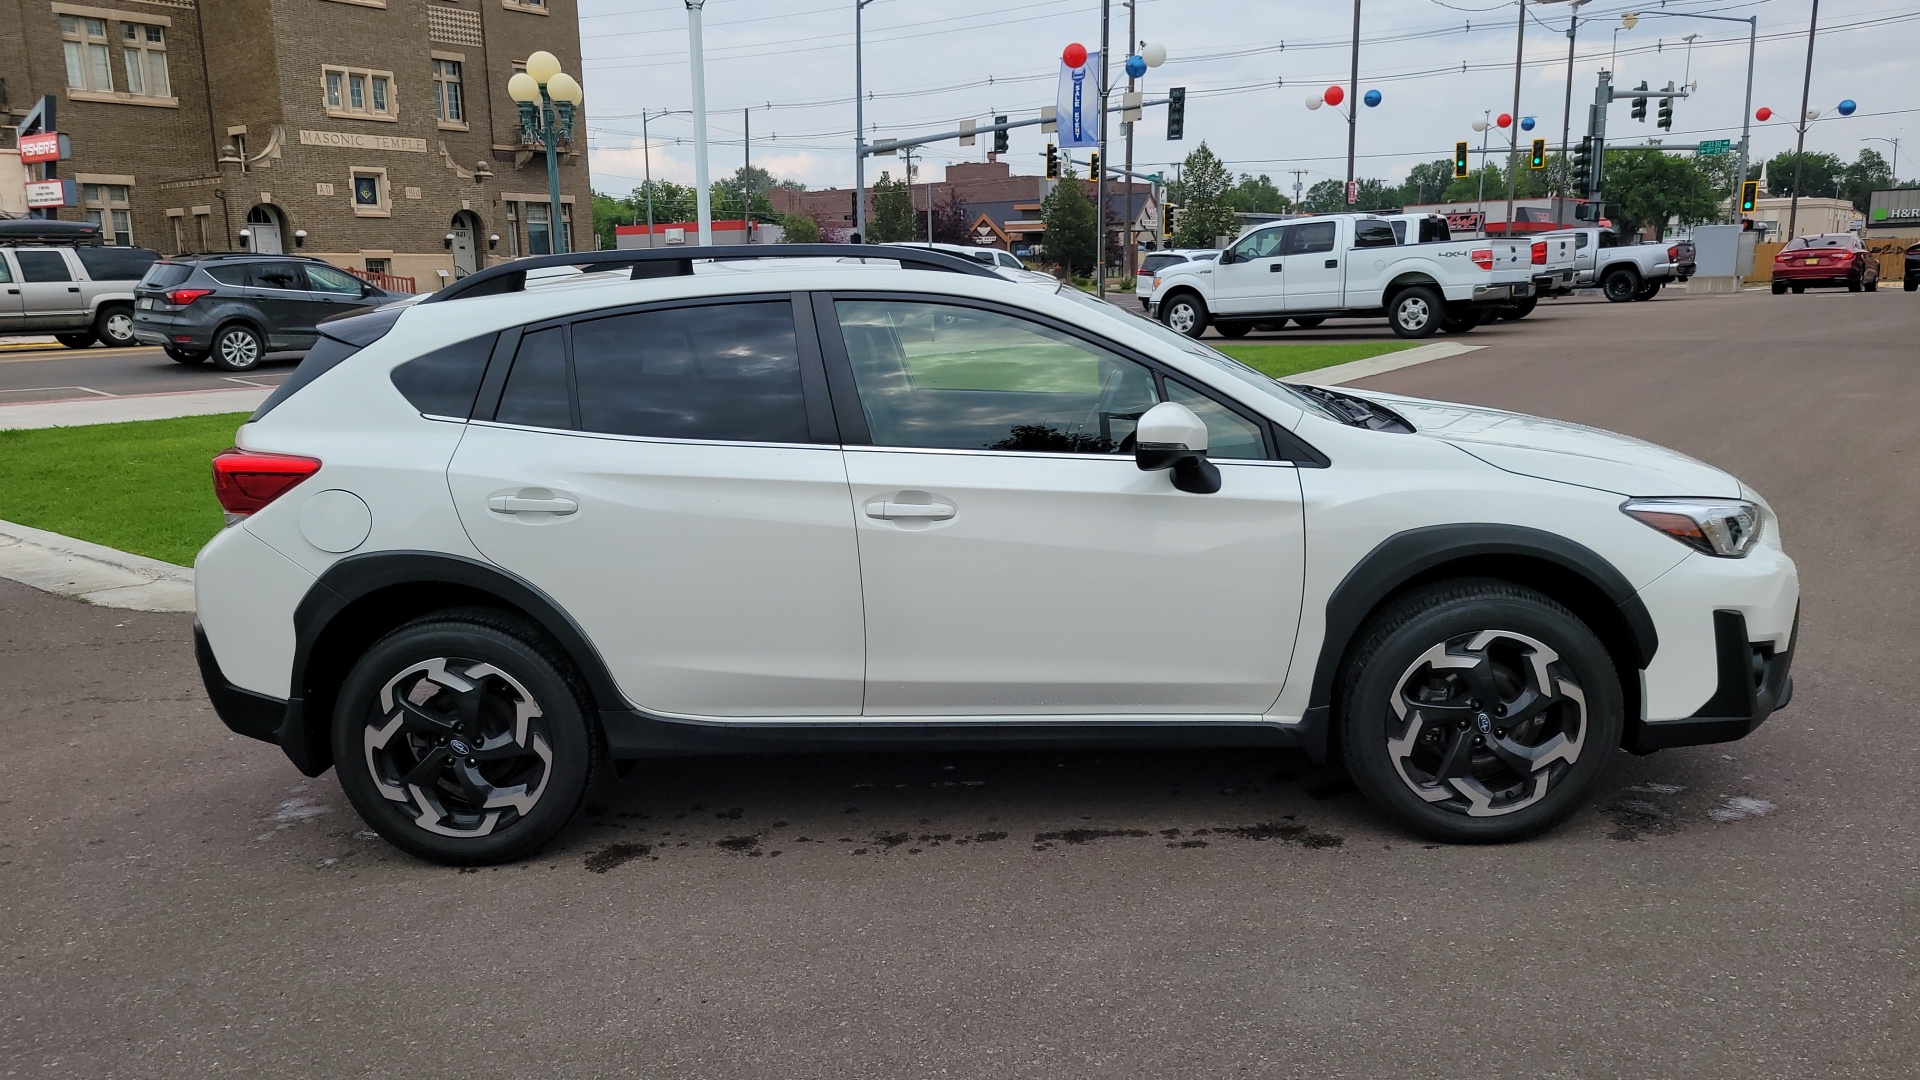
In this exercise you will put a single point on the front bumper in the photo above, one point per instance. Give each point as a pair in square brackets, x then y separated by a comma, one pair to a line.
[1755, 681]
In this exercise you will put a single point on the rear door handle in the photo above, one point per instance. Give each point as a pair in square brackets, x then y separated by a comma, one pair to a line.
[515, 504]
[888, 510]
[73, 288]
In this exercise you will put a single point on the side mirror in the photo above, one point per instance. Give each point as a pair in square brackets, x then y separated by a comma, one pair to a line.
[1225, 257]
[1170, 436]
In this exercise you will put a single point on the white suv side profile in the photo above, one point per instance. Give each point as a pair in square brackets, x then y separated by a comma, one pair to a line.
[720, 500]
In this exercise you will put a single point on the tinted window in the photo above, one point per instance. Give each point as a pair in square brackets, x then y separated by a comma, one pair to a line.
[1435, 230]
[230, 274]
[165, 275]
[444, 381]
[1368, 234]
[536, 394]
[327, 279]
[1400, 231]
[1230, 436]
[726, 372]
[948, 377]
[1312, 238]
[42, 266]
[6, 272]
[115, 263]
[322, 358]
[277, 275]
[1155, 263]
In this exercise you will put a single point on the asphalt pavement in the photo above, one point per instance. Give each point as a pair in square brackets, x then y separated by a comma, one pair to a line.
[62, 374]
[178, 902]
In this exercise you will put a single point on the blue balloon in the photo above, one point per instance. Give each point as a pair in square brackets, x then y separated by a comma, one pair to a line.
[1847, 107]
[1136, 66]
[1526, 123]
[1372, 98]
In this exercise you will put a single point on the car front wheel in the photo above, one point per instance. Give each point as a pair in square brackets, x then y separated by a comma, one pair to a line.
[1184, 314]
[464, 739]
[1479, 712]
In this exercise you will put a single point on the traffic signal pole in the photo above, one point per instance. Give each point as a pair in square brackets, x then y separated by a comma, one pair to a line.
[1513, 153]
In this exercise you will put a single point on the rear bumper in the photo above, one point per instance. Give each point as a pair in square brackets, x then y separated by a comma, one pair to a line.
[1755, 681]
[1813, 275]
[1500, 294]
[256, 716]
[151, 329]
[1553, 283]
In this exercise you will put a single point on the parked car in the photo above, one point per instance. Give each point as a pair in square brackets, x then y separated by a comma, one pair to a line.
[483, 544]
[237, 308]
[1626, 272]
[1911, 274]
[62, 283]
[1826, 260]
[988, 255]
[1342, 266]
[1155, 261]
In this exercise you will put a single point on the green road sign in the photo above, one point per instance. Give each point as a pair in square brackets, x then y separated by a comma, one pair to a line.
[1715, 147]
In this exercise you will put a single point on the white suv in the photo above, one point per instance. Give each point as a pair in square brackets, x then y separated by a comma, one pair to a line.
[725, 499]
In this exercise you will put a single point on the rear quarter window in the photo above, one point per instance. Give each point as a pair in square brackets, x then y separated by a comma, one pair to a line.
[445, 381]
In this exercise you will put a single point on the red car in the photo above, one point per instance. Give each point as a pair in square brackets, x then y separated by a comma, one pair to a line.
[1829, 259]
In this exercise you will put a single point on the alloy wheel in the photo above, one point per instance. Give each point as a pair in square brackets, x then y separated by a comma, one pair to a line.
[119, 328]
[1482, 725]
[239, 350]
[462, 744]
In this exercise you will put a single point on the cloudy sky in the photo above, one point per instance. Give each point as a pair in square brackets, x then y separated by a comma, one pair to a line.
[1248, 68]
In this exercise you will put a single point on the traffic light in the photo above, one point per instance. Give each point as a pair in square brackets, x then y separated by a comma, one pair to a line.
[1176, 113]
[1053, 162]
[1093, 166]
[1583, 164]
[1539, 158]
[1640, 104]
[1166, 222]
[1665, 121]
[1749, 194]
[1000, 137]
[1460, 165]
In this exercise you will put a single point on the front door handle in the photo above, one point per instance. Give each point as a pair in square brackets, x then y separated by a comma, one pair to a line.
[1332, 263]
[1273, 268]
[515, 504]
[888, 510]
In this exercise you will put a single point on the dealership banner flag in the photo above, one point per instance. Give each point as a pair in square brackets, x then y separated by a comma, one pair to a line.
[1079, 104]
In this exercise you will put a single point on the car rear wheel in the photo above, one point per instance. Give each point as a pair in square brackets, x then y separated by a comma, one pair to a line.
[1647, 290]
[1798, 289]
[75, 341]
[1911, 285]
[1520, 309]
[1185, 314]
[1853, 285]
[464, 739]
[237, 348]
[1779, 288]
[1462, 323]
[1477, 711]
[1874, 285]
[184, 356]
[1233, 330]
[1416, 312]
[1620, 286]
[114, 327]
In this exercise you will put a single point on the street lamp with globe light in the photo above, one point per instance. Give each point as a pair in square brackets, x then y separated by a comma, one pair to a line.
[547, 98]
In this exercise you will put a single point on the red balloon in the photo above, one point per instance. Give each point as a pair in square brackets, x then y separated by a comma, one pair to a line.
[1334, 95]
[1504, 120]
[1075, 56]
[1763, 114]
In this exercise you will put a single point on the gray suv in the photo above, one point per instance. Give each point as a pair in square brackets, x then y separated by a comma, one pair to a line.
[235, 309]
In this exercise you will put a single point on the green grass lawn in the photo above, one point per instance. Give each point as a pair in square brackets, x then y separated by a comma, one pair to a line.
[1280, 361]
[143, 487]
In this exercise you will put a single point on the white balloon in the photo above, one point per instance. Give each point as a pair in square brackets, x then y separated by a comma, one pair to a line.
[1153, 53]
[1314, 102]
[1479, 125]
[1813, 114]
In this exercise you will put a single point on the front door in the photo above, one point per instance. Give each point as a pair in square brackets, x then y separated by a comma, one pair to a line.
[1313, 266]
[11, 305]
[332, 291]
[463, 262]
[1252, 282]
[660, 475]
[1016, 562]
[51, 297]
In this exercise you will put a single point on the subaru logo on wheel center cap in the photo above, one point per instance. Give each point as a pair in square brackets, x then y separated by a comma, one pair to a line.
[1485, 722]
[461, 748]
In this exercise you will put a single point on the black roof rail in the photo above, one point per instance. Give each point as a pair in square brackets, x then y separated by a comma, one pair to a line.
[511, 277]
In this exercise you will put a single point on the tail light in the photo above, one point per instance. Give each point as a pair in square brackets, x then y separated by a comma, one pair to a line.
[244, 481]
[183, 297]
[1673, 253]
[1539, 253]
[1483, 258]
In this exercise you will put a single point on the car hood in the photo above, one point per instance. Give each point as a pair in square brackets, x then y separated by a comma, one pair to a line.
[1563, 452]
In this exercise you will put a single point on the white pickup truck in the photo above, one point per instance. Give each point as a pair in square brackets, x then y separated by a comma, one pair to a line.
[1346, 266]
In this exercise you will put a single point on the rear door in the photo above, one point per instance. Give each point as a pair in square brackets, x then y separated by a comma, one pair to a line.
[1314, 270]
[278, 289]
[49, 290]
[670, 476]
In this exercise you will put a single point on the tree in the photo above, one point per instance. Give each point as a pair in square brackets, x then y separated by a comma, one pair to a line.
[800, 229]
[1647, 188]
[892, 219]
[1488, 179]
[1205, 213]
[1330, 196]
[671, 201]
[1868, 173]
[1427, 183]
[608, 212]
[1069, 221]
[1819, 179]
[1257, 195]
[950, 220]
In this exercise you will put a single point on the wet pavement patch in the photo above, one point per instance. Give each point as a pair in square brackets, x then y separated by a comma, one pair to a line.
[746, 845]
[599, 862]
[1042, 841]
[1740, 808]
[1634, 818]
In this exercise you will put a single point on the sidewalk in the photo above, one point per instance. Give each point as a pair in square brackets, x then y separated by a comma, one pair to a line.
[120, 410]
[28, 341]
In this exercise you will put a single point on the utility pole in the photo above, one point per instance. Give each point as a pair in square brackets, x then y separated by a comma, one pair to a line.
[1800, 145]
[1597, 124]
[859, 131]
[1353, 93]
[1297, 185]
[1746, 121]
[1133, 248]
[746, 171]
[1513, 145]
[1566, 115]
[702, 198]
[1100, 174]
[646, 157]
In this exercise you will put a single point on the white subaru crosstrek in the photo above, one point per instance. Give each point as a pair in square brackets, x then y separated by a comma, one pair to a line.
[485, 545]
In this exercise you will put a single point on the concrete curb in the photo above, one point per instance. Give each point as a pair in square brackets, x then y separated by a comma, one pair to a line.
[92, 572]
[1380, 365]
[132, 407]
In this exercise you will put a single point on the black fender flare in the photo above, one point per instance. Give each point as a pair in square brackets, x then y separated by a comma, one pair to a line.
[1405, 557]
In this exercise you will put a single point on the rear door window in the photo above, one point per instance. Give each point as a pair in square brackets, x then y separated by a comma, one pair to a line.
[239, 275]
[277, 275]
[1311, 237]
[1368, 234]
[725, 372]
[537, 393]
[43, 266]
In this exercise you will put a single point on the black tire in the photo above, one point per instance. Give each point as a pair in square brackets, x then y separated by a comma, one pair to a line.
[1874, 285]
[1647, 290]
[1184, 313]
[1620, 286]
[1911, 286]
[238, 347]
[1233, 330]
[1482, 782]
[1310, 321]
[1520, 309]
[1853, 285]
[400, 766]
[1798, 289]
[183, 356]
[75, 341]
[1779, 288]
[114, 327]
[1463, 323]
[1270, 325]
[1416, 312]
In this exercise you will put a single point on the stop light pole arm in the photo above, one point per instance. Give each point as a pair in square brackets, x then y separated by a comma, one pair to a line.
[889, 146]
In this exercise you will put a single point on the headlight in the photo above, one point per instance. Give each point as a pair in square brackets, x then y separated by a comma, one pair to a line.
[1724, 527]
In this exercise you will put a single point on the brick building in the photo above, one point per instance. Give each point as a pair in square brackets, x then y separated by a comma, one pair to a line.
[367, 132]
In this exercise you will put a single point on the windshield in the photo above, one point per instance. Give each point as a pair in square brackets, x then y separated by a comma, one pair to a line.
[1214, 357]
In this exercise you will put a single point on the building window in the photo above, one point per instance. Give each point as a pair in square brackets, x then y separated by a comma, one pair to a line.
[379, 266]
[447, 103]
[539, 230]
[144, 47]
[371, 197]
[359, 93]
[88, 65]
[107, 206]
